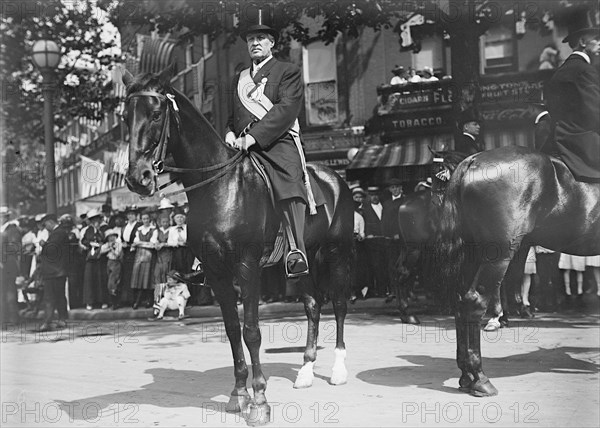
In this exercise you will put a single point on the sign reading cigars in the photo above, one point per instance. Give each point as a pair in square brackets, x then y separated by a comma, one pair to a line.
[407, 109]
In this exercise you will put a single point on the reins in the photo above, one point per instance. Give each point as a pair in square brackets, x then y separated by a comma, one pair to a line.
[159, 165]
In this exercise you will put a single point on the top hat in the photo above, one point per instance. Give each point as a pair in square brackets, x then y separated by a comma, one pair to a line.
[397, 69]
[579, 22]
[259, 21]
[49, 216]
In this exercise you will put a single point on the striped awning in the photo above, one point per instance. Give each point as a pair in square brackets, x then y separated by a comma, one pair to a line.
[407, 159]
[156, 54]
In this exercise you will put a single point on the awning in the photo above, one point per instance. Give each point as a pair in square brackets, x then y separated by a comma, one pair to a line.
[408, 160]
[156, 54]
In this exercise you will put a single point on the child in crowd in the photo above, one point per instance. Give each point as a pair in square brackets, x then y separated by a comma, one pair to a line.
[113, 249]
[171, 295]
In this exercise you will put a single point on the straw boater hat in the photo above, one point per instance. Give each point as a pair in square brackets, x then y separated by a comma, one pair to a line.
[165, 204]
[93, 213]
[113, 231]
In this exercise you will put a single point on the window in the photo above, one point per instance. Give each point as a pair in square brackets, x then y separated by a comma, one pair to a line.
[320, 75]
[499, 51]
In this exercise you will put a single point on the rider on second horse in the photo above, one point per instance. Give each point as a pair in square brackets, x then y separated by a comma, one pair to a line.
[266, 101]
[572, 96]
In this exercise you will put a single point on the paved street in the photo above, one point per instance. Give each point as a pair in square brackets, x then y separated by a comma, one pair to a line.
[179, 373]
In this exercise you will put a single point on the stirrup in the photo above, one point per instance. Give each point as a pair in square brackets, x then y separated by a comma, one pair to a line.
[299, 261]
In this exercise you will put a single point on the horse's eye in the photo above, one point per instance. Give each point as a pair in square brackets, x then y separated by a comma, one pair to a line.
[155, 115]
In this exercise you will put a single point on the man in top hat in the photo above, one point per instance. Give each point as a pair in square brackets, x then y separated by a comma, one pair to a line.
[572, 96]
[470, 126]
[54, 268]
[264, 109]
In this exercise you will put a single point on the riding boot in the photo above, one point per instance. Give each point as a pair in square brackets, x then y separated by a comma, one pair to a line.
[296, 262]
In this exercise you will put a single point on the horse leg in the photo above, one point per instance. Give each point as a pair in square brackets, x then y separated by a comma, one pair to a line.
[225, 294]
[313, 300]
[471, 308]
[340, 267]
[249, 282]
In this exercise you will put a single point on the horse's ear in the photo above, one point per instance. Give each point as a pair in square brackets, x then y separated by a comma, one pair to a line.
[165, 76]
[126, 76]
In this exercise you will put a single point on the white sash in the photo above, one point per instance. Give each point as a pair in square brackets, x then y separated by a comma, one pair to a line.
[256, 102]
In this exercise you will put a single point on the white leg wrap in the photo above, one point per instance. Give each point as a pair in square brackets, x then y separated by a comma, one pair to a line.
[339, 374]
[305, 376]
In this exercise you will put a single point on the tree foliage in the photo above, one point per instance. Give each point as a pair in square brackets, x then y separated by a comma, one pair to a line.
[82, 89]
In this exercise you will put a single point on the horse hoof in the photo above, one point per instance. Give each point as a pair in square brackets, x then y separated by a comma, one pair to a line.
[305, 376]
[411, 319]
[483, 389]
[258, 415]
[492, 325]
[238, 403]
[339, 376]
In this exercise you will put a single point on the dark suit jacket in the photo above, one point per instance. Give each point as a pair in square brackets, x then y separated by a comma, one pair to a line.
[389, 218]
[572, 96]
[54, 260]
[466, 144]
[372, 222]
[275, 147]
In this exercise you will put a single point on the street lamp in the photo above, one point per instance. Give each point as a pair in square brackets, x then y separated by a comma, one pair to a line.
[45, 54]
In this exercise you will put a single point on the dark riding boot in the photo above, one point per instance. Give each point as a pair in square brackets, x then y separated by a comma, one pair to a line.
[296, 262]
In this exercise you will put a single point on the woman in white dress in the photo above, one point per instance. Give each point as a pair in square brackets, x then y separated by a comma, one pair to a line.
[567, 263]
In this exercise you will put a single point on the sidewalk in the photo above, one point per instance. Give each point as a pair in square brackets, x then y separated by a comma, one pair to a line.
[214, 311]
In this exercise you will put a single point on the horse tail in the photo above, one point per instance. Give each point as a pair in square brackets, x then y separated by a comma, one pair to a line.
[450, 248]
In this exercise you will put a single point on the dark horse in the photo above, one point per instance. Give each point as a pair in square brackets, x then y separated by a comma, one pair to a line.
[232, 223]
[497, 204]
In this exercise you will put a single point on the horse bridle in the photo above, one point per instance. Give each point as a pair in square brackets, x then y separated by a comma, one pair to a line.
[171, 108]
[159, 164]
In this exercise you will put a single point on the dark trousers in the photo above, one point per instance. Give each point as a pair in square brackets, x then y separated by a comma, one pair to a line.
[378, 264]
[54, 298]
[549, 280]
[361, 268]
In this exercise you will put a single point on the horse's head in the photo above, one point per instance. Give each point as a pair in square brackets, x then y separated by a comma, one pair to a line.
[149, 112]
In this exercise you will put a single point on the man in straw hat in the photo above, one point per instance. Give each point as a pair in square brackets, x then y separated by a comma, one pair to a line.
[264, 118]
[572, 96]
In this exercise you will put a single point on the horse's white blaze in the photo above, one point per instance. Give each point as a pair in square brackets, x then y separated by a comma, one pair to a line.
[305, 376]
[339, 374]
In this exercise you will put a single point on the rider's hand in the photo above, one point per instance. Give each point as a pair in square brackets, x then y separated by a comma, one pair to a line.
[230, 138]
[249, 141]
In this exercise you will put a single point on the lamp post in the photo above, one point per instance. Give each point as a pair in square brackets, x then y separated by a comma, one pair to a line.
[45, 55]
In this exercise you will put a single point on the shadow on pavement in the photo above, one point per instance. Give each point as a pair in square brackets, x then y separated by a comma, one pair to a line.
[431, 372]
[174, 389]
